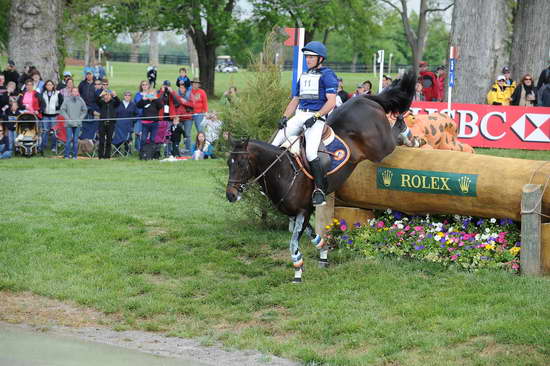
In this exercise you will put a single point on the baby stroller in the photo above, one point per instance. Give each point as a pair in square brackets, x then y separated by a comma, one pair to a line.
[27, 135]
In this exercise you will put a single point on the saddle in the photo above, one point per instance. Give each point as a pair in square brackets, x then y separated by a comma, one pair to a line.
[334, 153]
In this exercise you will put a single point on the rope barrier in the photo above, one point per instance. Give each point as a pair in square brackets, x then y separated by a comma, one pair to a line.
[105, 119]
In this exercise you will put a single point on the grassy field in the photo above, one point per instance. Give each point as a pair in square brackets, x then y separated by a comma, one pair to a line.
[158, 246]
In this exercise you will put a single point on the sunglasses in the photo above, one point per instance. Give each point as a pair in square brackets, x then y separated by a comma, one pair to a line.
[527, 79]
[1, 130]
[105, 84]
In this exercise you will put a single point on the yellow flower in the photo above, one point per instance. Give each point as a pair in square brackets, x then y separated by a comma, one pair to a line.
[489, 247]
[327, 227]
[514, 250]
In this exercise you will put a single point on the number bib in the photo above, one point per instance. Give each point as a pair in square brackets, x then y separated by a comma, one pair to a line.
[309, 86]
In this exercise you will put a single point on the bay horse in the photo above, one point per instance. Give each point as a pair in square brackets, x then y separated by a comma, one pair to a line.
[361, 122]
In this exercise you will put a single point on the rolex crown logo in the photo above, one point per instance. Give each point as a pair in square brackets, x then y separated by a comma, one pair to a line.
[464, 183]
[386, 177]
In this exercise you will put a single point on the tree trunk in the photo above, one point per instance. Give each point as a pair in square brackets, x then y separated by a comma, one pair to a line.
[192, 52]
[154, 47]
[207, 65]
[479, 32]
[33, 35]
[136, 37]
[531, 43]
[89, 52]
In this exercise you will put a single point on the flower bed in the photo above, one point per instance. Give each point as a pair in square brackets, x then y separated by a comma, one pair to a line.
[462, 241]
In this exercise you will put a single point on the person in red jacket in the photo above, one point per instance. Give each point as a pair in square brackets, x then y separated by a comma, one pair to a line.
[441, 76]
[200, 103]
[30, 101]
[430, 85]
[184, 119]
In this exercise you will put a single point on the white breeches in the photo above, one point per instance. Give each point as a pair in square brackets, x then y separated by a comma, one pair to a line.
[295, 125]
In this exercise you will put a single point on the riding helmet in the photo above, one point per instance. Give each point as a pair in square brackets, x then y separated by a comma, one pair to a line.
[315, 48]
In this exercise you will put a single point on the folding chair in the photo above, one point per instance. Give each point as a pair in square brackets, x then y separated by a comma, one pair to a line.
[121, 144]
[60, 135]
[88, 136]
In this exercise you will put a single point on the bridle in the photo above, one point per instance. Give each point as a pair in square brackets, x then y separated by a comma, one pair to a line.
[243, 185]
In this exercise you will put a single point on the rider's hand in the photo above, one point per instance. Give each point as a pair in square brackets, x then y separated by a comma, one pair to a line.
[282, 122]
[310, 121]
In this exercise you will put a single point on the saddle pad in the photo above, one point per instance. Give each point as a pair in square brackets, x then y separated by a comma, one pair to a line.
[339, 154]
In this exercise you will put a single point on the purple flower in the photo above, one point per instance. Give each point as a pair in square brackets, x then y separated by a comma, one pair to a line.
[429, 235]
[350, 241]
[480, 222]
[442, 246]
[518, 244]
[345, 237]
[465, 223]
[419, 247]
[442, 240]
[357, 224]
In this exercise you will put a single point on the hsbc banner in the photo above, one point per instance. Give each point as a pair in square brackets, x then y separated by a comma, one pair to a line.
[496, 126]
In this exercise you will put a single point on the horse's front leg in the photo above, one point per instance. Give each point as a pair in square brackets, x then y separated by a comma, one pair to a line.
[295, 254]
[320, 244]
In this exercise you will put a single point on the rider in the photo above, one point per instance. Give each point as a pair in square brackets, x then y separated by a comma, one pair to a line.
[315, 97]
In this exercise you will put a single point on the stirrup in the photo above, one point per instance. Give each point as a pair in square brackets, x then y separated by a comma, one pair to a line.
[318, 197]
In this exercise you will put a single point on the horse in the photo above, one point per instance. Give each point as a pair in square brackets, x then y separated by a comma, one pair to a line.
[361, 122]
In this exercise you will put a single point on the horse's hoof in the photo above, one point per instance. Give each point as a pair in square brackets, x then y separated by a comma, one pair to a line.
[296, 280]
[323, 263]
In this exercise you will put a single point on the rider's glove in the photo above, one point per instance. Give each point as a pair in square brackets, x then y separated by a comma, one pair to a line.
[311, 120]
[282, 122]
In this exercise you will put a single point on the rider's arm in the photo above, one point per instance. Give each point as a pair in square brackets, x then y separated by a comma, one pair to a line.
[291, 107]
[329, 105]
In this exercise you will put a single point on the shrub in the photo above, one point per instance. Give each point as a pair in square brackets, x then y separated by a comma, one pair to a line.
[254, 114]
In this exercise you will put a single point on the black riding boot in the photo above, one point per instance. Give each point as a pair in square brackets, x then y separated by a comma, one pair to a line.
[318, 197]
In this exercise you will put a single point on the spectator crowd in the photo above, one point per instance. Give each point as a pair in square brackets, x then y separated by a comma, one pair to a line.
[89, 117]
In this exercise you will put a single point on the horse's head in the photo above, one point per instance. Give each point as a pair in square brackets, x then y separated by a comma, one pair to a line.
[240, 169]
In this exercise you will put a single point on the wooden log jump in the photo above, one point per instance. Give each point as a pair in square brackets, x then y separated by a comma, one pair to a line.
[418, 181]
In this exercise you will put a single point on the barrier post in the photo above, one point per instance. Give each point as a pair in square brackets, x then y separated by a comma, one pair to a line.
[530, 257]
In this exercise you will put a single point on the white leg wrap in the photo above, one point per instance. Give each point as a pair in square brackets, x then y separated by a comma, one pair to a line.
[323, 254]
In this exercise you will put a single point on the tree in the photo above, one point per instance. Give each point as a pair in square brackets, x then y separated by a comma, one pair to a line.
[530, 43]
[137, 38]
[416, 38]
[481, 43]
[33, 33]
[4, 9]
[154, 47]
[207, 24]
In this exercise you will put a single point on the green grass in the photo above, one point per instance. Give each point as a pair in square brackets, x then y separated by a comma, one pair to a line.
[158, 245]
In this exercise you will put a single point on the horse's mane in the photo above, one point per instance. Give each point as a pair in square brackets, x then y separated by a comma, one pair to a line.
[261, 144]
[398, 97]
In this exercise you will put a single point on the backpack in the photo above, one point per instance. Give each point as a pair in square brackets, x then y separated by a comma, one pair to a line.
[149, 152]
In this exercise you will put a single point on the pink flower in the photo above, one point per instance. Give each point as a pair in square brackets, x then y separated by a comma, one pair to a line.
[380, 224]
[515, 266]
[418, 228]
[407, 228]
[399, 233]
[343, 227]
[450, 249]
[461, 244]
[454, 257]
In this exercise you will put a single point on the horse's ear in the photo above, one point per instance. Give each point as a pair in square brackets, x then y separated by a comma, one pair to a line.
[244, 142]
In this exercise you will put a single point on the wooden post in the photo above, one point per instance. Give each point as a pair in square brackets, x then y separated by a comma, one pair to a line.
[531, 230]
[324, 215]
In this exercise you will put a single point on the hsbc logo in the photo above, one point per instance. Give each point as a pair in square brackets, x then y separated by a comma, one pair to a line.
[526, 123]
[496, 126]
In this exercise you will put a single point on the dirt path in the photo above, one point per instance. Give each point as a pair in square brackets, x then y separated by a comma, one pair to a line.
[42, 314]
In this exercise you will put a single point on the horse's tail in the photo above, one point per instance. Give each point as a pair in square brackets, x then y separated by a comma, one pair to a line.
[397, 98]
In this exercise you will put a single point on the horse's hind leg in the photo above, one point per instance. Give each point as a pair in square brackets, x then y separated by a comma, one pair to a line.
[320, 244]
[295, 254]
[291, 220]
